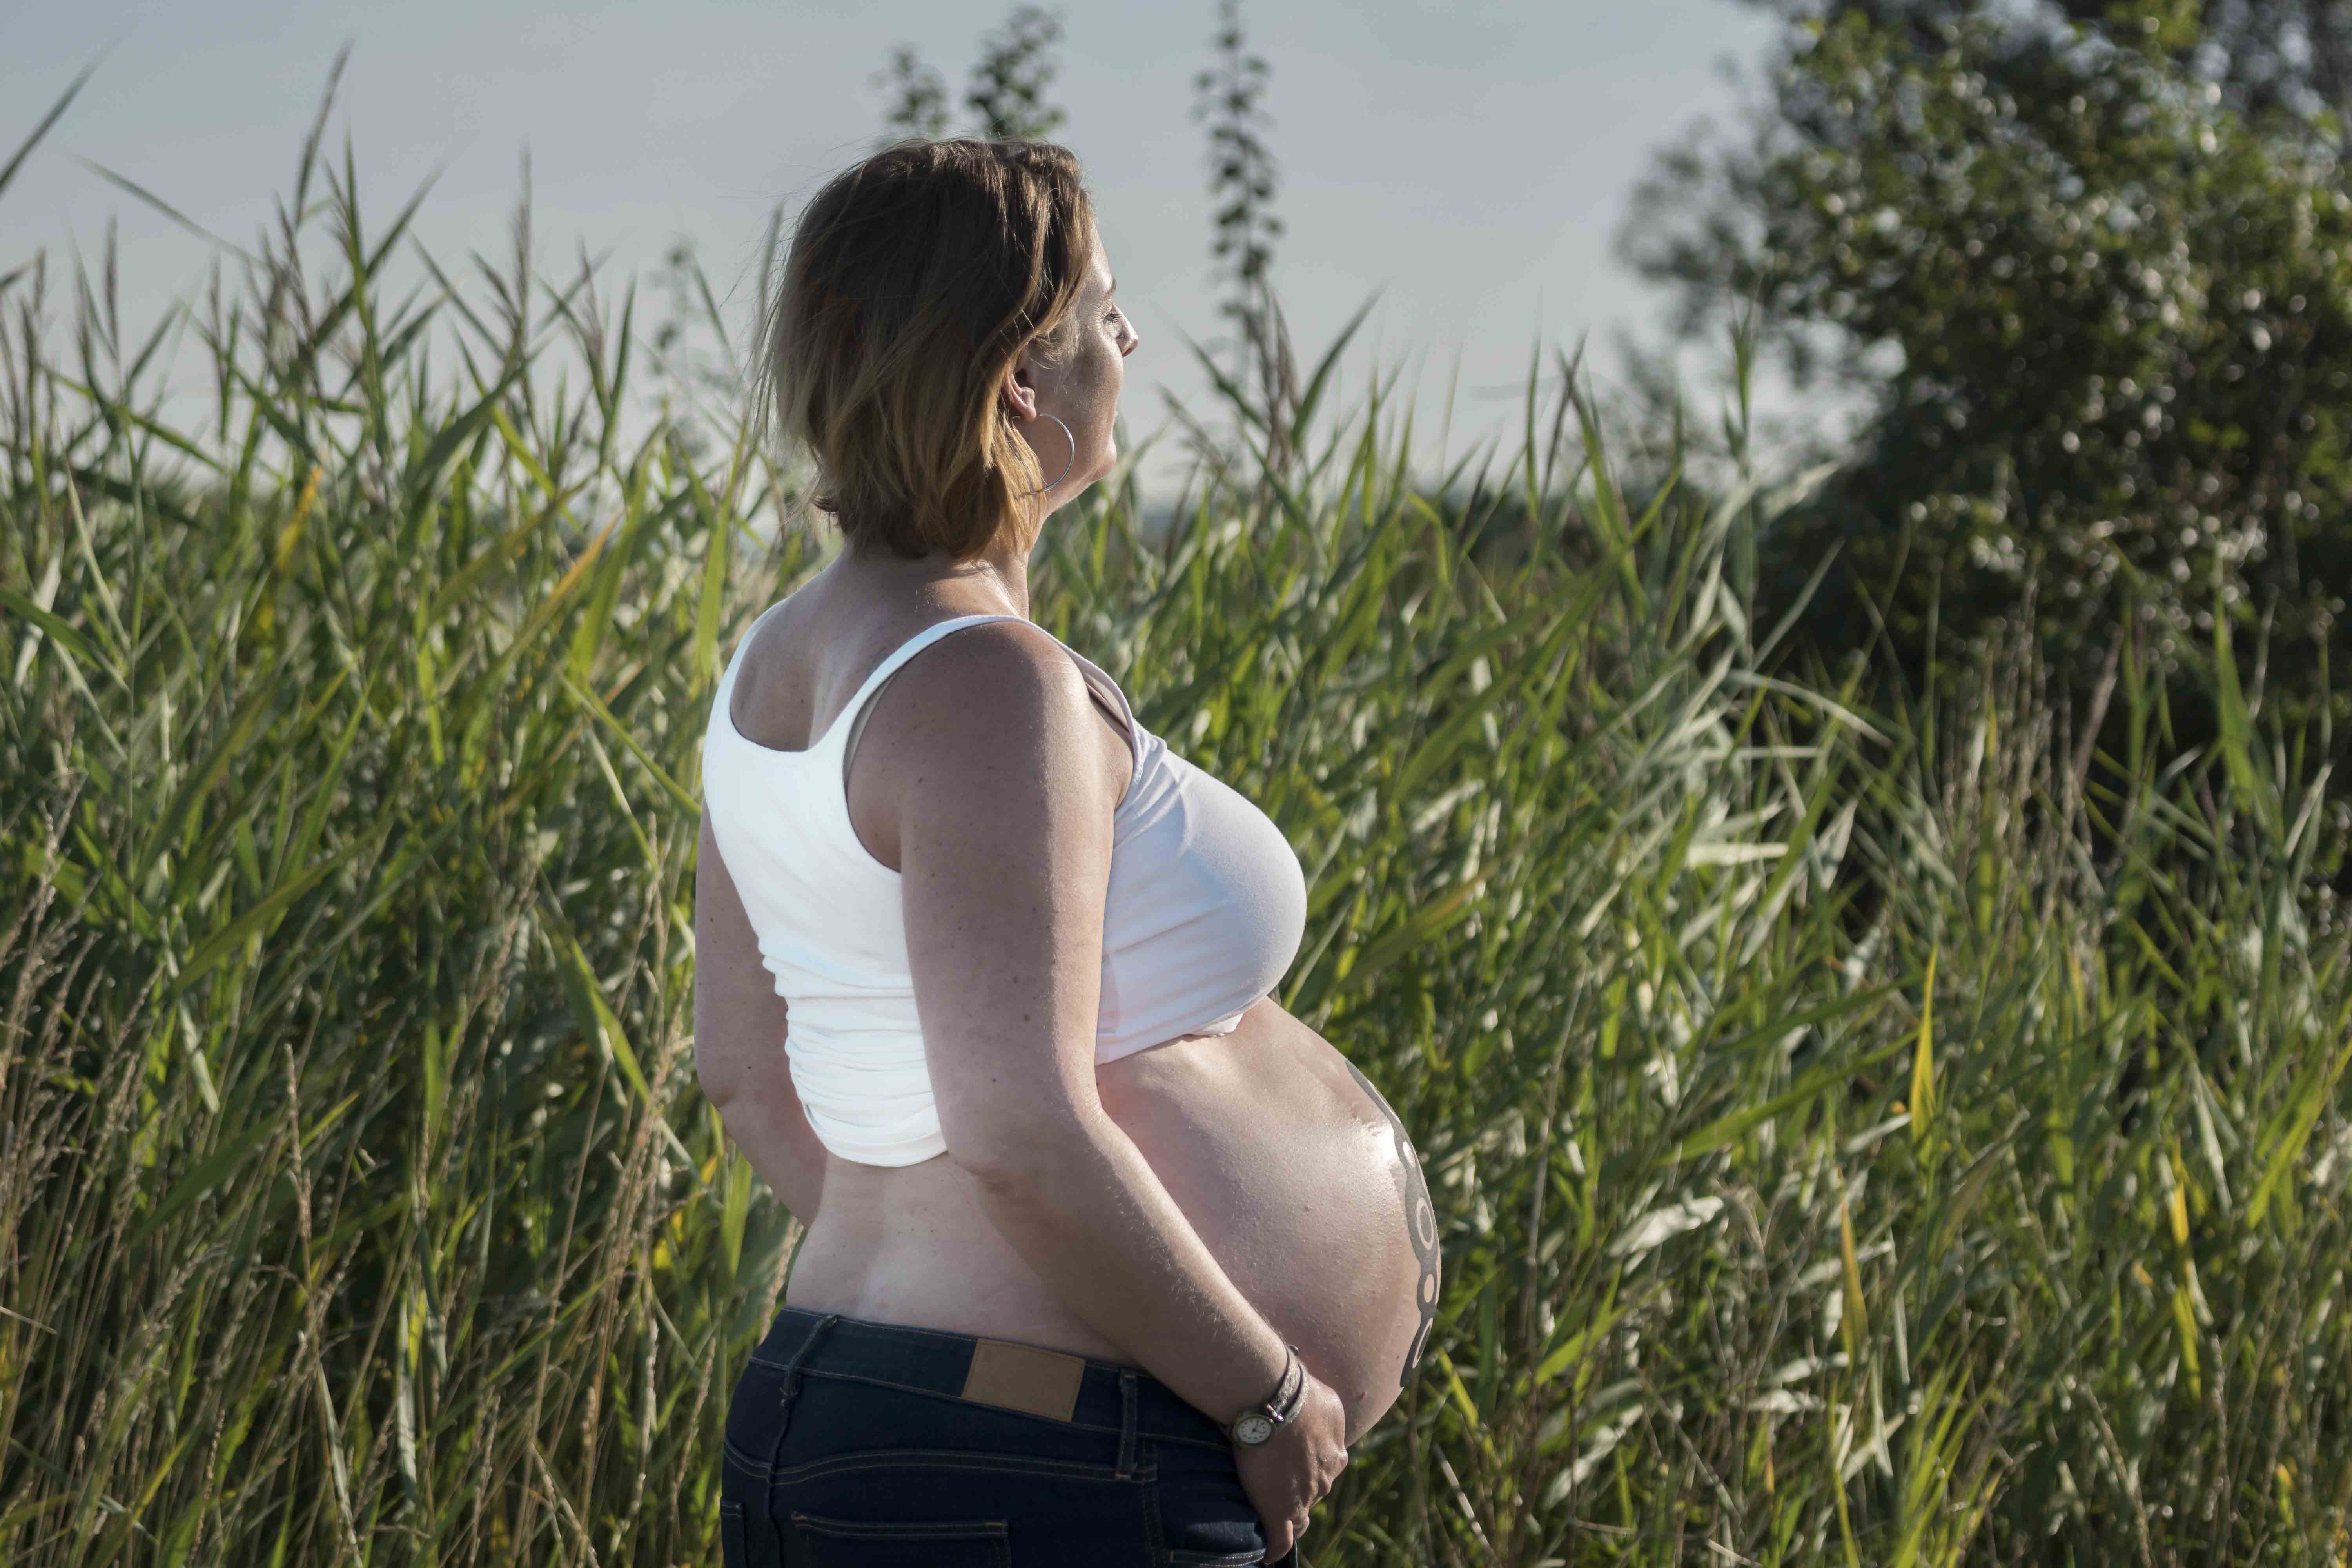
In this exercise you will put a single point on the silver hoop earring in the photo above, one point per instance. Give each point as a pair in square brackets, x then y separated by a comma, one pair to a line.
[1065, 467]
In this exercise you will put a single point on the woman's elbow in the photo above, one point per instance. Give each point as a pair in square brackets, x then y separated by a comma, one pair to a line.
[1015, 1149]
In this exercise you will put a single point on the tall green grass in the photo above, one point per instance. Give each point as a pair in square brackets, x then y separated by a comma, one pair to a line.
[1860, 1135]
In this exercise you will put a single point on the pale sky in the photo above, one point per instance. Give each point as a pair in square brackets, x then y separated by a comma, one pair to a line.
[1470, 160]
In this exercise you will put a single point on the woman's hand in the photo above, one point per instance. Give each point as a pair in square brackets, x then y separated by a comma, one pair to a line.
[1289, 1472]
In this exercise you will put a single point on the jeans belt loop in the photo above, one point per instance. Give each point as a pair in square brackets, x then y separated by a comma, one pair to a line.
[1126, 1403]
[792, 1381]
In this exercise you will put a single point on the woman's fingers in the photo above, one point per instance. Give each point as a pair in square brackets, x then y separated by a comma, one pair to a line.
[1281, 1541]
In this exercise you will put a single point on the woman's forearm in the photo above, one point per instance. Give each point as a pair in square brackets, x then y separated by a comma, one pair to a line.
[773, 1133]
[1089, 1214]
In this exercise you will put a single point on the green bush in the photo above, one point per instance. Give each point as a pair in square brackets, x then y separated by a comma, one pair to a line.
[2099, 311]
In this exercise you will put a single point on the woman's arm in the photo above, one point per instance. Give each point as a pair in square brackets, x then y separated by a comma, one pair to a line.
[739, 1041]
[1004, 843]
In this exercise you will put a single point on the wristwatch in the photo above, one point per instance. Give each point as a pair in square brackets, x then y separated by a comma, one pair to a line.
[1259, 1422]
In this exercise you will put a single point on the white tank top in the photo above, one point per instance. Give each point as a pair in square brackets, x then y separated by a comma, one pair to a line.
[1205, 909]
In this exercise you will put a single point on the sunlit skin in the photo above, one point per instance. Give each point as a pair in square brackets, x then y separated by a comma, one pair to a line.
[1288, 1166]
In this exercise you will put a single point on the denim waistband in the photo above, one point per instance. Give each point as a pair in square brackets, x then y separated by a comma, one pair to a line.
[1030, 1379]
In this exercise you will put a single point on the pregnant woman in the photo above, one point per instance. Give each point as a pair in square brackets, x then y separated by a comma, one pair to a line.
[1108, 1257]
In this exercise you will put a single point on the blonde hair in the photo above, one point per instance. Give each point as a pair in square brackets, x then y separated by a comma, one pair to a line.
[913, 282]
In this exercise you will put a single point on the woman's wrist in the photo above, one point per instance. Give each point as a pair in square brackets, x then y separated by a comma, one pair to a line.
[1256, 1379]
[1259, 1423]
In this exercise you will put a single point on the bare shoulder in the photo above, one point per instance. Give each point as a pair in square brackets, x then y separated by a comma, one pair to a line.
[762, 705]
[997, 707]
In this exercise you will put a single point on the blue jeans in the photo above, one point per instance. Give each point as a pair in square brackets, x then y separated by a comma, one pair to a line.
[860, 1445]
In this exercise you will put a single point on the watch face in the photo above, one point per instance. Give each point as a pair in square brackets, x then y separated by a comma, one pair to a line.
[1253, 1430]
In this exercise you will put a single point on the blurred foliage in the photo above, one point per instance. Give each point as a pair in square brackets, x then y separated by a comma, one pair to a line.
[2092, 275]
[1229, 98]
[918, 105]
[1007, 95]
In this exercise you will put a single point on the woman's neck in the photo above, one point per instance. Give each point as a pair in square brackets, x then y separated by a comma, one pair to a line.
[994, 580]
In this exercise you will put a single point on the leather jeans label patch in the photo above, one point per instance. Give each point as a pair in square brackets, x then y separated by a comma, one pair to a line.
[1023, 1377]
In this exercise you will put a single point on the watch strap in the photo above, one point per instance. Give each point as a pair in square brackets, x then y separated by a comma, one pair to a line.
[1282, 1403]
[1291, 1393]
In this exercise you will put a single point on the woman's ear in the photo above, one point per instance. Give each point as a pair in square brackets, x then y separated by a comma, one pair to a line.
[1019, 395]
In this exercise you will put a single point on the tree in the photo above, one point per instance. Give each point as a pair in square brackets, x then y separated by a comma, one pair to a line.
[2098, 294]
[2283, 65]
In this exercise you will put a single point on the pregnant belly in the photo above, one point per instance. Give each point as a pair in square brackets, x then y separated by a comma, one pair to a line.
[1288, 1163]
[1302, 1183]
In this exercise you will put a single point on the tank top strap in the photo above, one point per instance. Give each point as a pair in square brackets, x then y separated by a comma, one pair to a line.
[883, 671]
[898, 657]
[851, 721]
[1102, 678]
